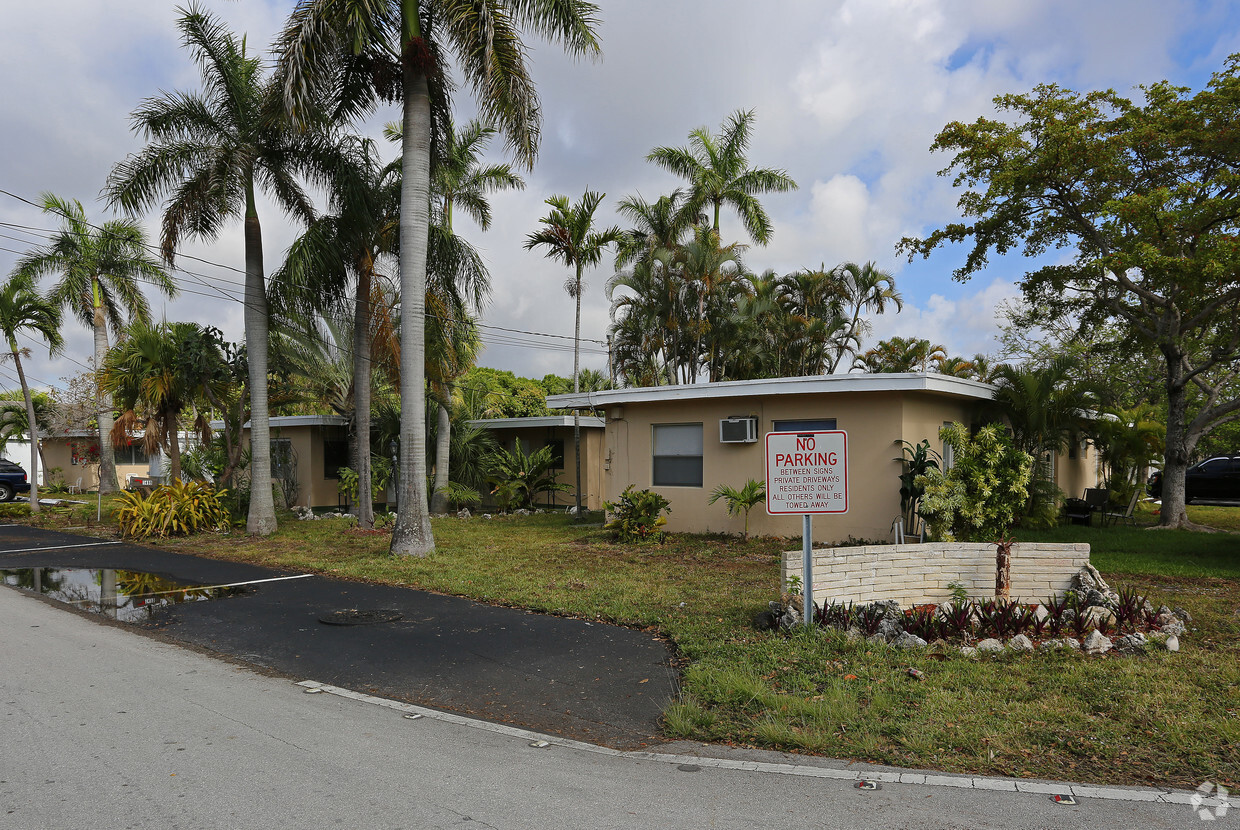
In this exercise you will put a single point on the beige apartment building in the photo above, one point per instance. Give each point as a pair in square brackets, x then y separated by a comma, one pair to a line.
[683, 441]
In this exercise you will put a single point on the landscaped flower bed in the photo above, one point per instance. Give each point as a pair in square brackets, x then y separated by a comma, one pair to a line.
[1089, 617]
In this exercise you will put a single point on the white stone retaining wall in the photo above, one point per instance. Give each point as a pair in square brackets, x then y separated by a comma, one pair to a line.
[919, 574]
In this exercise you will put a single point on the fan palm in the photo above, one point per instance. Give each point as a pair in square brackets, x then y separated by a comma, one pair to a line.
[101, 268]
[568, 235]
[23, 309]
[719, 174]
[210, 152]
[395, 48]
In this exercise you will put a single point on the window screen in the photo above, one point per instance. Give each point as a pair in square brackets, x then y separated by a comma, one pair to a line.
[678, 455]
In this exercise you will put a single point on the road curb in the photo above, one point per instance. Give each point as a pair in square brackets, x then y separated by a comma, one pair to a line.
[887, 776]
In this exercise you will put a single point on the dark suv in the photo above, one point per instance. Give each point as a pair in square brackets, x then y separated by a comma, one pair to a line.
[1215, 478]
[12, 480]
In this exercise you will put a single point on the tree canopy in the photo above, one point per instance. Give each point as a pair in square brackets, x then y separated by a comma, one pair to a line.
[1145, 196]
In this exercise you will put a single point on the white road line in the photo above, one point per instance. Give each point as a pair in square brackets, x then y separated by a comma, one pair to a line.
[58, 547]
[1163, 796]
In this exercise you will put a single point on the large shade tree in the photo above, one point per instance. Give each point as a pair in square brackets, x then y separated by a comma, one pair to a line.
[102, 270]
[1144, 194]
[22, 310]
[568, 234]
[718, 173]
[373, 49]
[209, 153]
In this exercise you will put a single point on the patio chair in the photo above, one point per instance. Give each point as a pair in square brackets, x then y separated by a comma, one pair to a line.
[1126, 515]
[1081, 511]
[76, 487]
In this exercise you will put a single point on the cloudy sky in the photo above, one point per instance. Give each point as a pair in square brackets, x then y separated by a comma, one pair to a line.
[848, 97]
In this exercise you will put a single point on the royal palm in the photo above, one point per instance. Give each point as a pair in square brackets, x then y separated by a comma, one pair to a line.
[399, 48]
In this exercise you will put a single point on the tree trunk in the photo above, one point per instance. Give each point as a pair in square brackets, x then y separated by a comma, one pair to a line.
[33, 429]
[262, 518]
[107, 454]
[443, 450]
[412, 535]
[174, 447]
[361, 399]
[576, 389]
[1179, 450]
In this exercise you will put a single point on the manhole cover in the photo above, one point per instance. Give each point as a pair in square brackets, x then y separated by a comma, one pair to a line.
[360, 616]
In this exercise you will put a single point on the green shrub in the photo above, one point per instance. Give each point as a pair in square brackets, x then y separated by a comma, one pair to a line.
[742, 500]
[518, 478]
[981, 496]
[178, 508]
[638, 515]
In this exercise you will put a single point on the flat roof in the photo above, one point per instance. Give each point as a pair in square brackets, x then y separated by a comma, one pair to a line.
[296, 421]
[815, 385]
[535, 421]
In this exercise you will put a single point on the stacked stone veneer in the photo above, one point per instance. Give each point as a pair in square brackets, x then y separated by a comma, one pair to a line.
[919, 574]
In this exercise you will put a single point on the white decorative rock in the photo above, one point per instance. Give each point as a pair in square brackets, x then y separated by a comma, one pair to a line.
[1020, 643]
[990, 644]
[1096, 643]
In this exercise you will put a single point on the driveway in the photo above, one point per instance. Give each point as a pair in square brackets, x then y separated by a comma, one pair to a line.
[593, 682]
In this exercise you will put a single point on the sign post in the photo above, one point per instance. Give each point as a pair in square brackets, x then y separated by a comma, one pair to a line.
[806, 473]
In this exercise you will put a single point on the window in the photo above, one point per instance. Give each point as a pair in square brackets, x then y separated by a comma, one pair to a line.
[283, 460]
[811, 425]
[678, 455]
[557, 453]
[335, 451]
[132, 454]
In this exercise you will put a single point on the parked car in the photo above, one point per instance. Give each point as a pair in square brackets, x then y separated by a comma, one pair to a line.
[12, 480]
[1215, 478]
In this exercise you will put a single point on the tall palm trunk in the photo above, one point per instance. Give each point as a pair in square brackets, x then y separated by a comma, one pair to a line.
[262, 518]
[361, 397]
[412, 535]
[443, 450]
[174, 446]
[576, 389]
[107, 454]
[34, 430]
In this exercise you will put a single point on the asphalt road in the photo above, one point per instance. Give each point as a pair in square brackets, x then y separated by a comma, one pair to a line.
[105, 728]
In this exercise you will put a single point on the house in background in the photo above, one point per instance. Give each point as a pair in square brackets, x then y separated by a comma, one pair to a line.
[307, 450]
[683, 441]
[556, 431]
[77, 456]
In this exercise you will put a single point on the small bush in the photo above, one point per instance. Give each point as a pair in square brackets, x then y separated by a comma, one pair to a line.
[638, 515]
[179, 508]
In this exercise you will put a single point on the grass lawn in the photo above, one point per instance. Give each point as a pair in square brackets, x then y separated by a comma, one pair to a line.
[1162, 718]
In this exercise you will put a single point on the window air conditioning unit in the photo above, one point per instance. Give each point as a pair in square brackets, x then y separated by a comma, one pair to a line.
[738, 430]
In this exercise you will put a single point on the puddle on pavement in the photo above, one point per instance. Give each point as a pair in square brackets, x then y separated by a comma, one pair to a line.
[128, 596]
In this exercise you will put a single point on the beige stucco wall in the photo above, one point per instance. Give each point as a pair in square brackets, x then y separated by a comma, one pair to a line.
[919, 574]
[874, 421]
[592, 443]
[1073, 475]
[57, 453]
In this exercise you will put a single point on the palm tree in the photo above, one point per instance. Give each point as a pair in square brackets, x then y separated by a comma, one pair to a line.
[900, 355]
[395, 48]
[350, 244]
[211, 152]
[707, 268]
[23, 309]
[154, 374]
[459, 180]
[568, 235]
[15, 420]
[101, 268]
[863, 288]
[719, 174]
